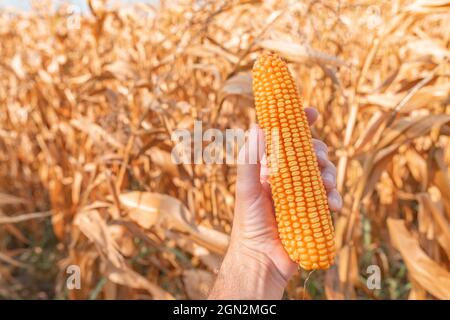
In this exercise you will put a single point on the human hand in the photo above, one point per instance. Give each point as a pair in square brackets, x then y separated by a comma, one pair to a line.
[255, 243]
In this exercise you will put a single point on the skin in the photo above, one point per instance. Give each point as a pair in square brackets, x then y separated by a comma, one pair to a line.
[256, 266]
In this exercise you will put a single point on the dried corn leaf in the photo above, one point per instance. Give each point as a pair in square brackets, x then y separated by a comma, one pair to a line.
[429, 6]
[431, 276]
[442, 226]
[239, 84]
[300, 53]
[95, 228]
[10, 199]
[153, 208]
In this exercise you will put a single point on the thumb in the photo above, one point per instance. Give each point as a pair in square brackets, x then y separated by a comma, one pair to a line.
[248, 184]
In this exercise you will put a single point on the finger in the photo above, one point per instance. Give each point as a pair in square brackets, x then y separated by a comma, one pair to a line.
[311, 114]
[329, 174]
[334, 200]
[248, 169]
[265, 171]
[321, 150]
[265, 187]
[329, 179]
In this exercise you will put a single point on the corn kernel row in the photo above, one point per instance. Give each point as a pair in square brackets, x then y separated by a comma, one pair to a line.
[304, 222]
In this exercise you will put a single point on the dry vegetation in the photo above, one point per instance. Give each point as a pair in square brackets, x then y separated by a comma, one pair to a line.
[88, 104]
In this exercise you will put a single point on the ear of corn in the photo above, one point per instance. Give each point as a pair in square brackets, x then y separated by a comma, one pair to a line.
[304, 221]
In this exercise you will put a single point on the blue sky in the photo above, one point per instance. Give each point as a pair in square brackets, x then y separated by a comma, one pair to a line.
[82, 4]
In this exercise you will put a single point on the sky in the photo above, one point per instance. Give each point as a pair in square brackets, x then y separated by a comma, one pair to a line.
[82, 4]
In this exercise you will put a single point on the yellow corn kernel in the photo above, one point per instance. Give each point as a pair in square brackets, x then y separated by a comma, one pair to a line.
[293, 163]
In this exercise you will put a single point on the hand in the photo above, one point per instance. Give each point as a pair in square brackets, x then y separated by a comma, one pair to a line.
[254, 238]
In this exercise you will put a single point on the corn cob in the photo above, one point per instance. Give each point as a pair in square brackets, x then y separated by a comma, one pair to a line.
[304, 222]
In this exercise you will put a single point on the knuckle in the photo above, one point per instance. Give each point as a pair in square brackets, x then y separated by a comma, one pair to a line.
[331, 167]
[320, 145]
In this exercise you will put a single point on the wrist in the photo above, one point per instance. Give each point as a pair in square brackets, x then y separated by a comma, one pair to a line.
[248, 274]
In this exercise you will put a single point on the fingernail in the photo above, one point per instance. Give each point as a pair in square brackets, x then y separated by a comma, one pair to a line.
[337, 200]
[332, 202]
[321, 154]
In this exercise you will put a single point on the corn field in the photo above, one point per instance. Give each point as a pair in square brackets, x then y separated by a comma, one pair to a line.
[89, 103]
